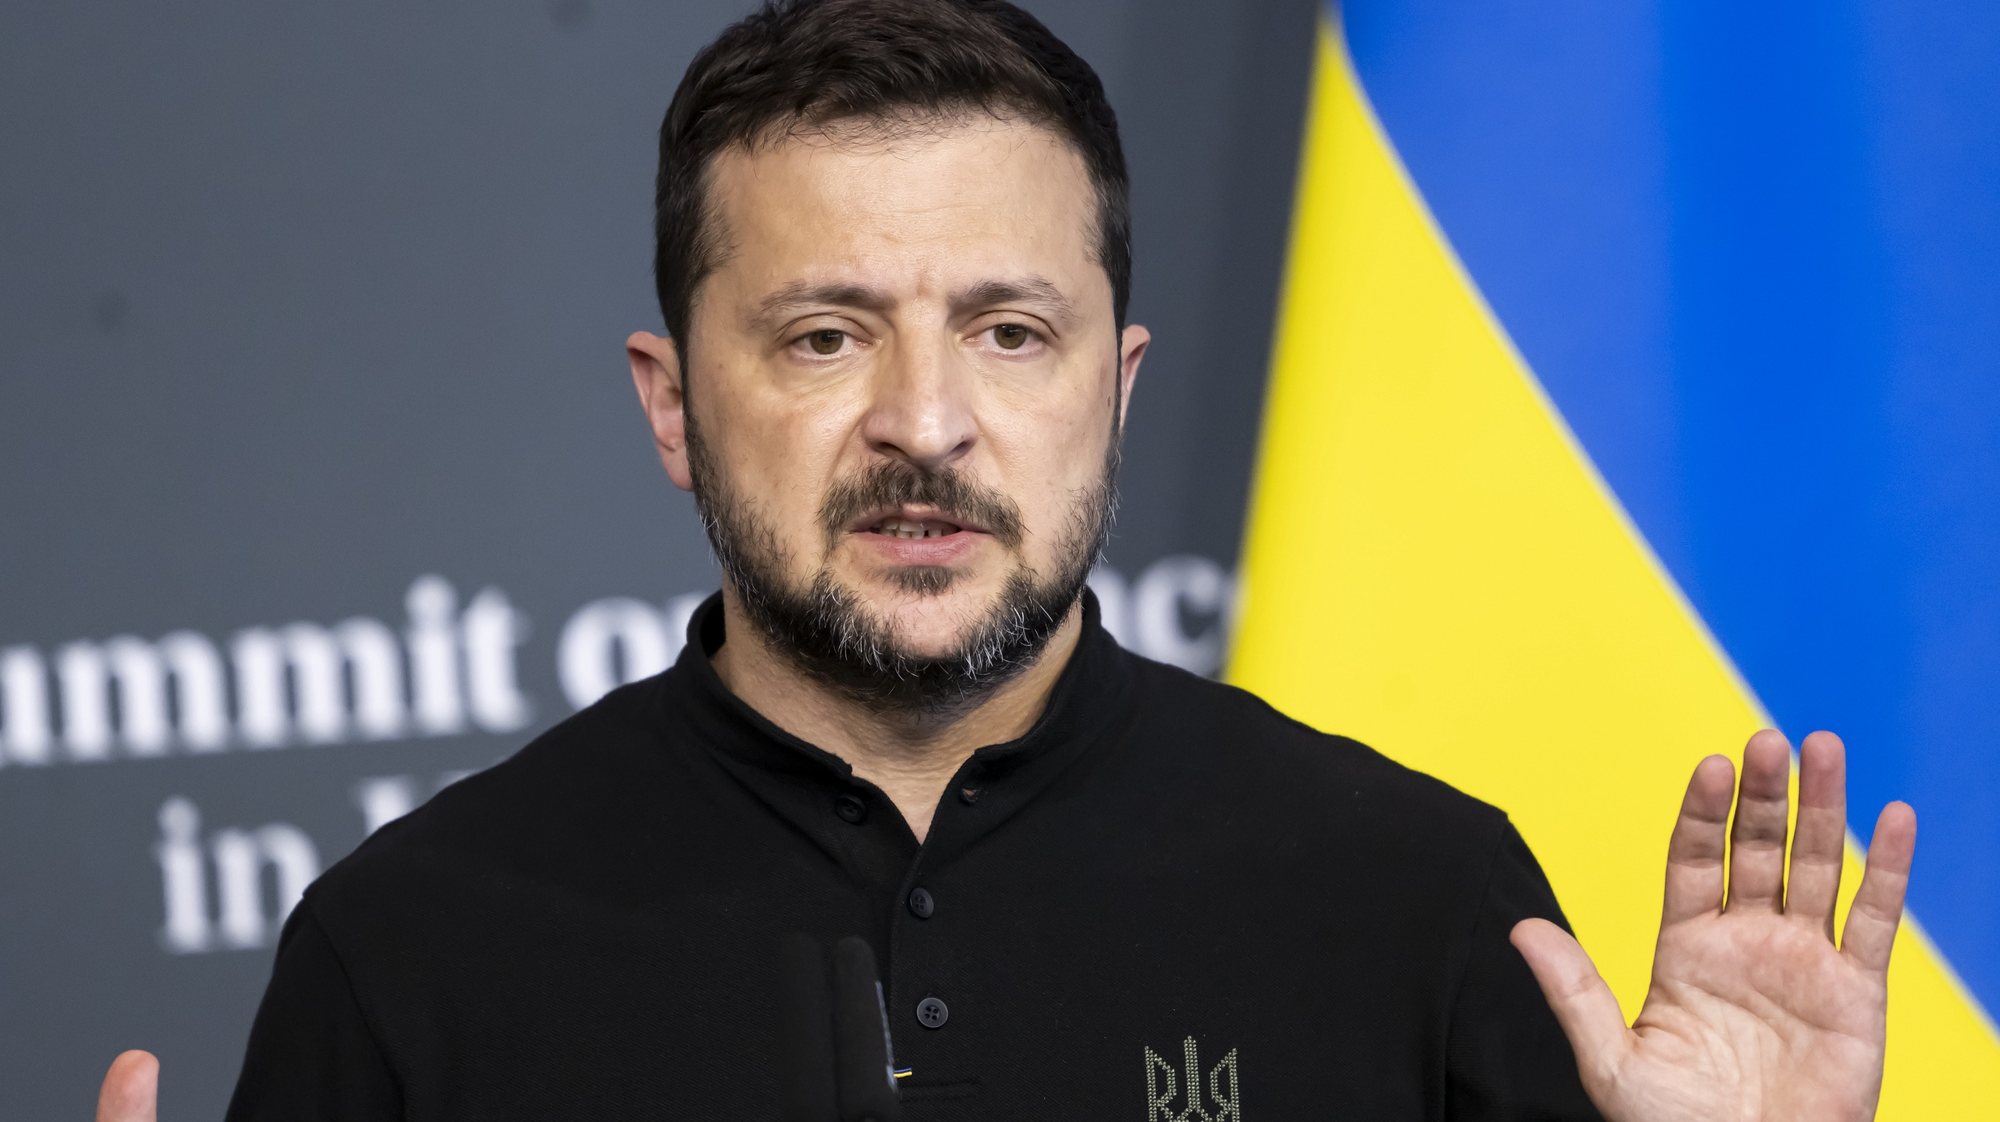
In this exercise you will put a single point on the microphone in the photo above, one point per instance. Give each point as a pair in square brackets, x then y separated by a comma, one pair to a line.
[836, 1051]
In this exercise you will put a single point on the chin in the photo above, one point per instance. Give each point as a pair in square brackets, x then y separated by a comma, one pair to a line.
[927, 621]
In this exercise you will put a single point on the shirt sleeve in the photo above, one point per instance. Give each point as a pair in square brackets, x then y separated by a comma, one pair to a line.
[312, 1055]
[1506, 1058]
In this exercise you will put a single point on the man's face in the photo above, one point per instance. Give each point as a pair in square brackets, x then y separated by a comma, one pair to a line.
[903, 395]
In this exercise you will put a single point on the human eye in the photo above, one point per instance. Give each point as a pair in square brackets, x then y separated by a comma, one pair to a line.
[1015, 338]
[822, 342]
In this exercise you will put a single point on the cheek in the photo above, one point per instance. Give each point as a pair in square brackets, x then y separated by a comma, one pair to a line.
[802, 460]
[1053, 457]
[784, 458]
[1068, 436]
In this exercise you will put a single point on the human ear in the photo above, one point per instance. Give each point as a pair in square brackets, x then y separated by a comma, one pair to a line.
[656, 374]
[1131, 348]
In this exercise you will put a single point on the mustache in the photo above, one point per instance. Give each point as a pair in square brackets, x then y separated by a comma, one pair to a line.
[890, 483]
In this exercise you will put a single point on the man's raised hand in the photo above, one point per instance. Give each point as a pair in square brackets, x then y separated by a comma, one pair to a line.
[1753, 1012]
[131, 1089]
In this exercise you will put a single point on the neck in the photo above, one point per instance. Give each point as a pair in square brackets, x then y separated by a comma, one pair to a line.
[910, 756]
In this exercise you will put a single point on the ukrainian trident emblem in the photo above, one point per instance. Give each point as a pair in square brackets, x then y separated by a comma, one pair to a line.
[1166, 1088]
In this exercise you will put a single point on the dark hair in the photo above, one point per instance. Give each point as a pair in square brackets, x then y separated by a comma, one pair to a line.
[816, 62]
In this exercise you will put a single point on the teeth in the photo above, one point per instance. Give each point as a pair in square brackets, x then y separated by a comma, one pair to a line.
[904, 528]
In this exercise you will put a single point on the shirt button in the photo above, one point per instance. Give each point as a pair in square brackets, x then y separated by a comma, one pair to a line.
[932, 1013]
[850, 808]
[968, 795]
[921, 903]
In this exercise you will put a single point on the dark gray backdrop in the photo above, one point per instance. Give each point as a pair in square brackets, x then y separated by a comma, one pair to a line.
[301, 307]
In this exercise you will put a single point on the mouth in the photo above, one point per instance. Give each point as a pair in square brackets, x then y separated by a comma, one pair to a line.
[912, 523]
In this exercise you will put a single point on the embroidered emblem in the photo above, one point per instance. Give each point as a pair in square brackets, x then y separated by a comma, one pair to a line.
[1166, 1088]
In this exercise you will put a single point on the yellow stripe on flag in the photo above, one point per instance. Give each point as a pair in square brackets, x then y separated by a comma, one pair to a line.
[1432, 566]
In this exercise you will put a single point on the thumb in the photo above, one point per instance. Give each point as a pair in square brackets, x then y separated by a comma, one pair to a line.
[1583, 1004]
[131, 1089]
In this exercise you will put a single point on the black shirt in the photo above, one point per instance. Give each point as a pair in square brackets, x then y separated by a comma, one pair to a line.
[1164, 886]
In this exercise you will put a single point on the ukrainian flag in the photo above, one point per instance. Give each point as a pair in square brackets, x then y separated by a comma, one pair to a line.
[1636, 385]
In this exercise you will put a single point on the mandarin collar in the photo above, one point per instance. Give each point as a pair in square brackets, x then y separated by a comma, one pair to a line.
[1090, 690]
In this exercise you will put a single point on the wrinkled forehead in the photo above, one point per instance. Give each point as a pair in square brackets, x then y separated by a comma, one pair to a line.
[915, 205]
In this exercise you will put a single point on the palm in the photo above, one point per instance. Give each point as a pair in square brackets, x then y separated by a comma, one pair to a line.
[1753, 1012]
[1809, 1020]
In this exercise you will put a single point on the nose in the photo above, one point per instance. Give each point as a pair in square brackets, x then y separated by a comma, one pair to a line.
[921, 406]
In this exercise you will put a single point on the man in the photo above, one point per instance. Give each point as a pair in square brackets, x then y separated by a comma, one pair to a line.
[892, 261]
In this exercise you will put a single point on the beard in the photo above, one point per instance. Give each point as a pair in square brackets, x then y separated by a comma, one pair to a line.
[828, 630]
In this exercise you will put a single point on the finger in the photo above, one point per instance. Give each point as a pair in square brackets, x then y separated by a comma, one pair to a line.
[1819, 842]
[1694, 854]
[1878, 903]
[131, 1089]
[1583, 1004]
[1757, 840]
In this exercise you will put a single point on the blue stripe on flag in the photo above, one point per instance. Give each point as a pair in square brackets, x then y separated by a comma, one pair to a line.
[1752, 253]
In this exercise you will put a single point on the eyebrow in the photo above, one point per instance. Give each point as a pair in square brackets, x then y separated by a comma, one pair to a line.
[801, 294]
[1032, 290]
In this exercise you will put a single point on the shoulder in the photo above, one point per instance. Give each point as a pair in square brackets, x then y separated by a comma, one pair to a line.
[571, 785]
[1351, 835]
[1229, 743]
